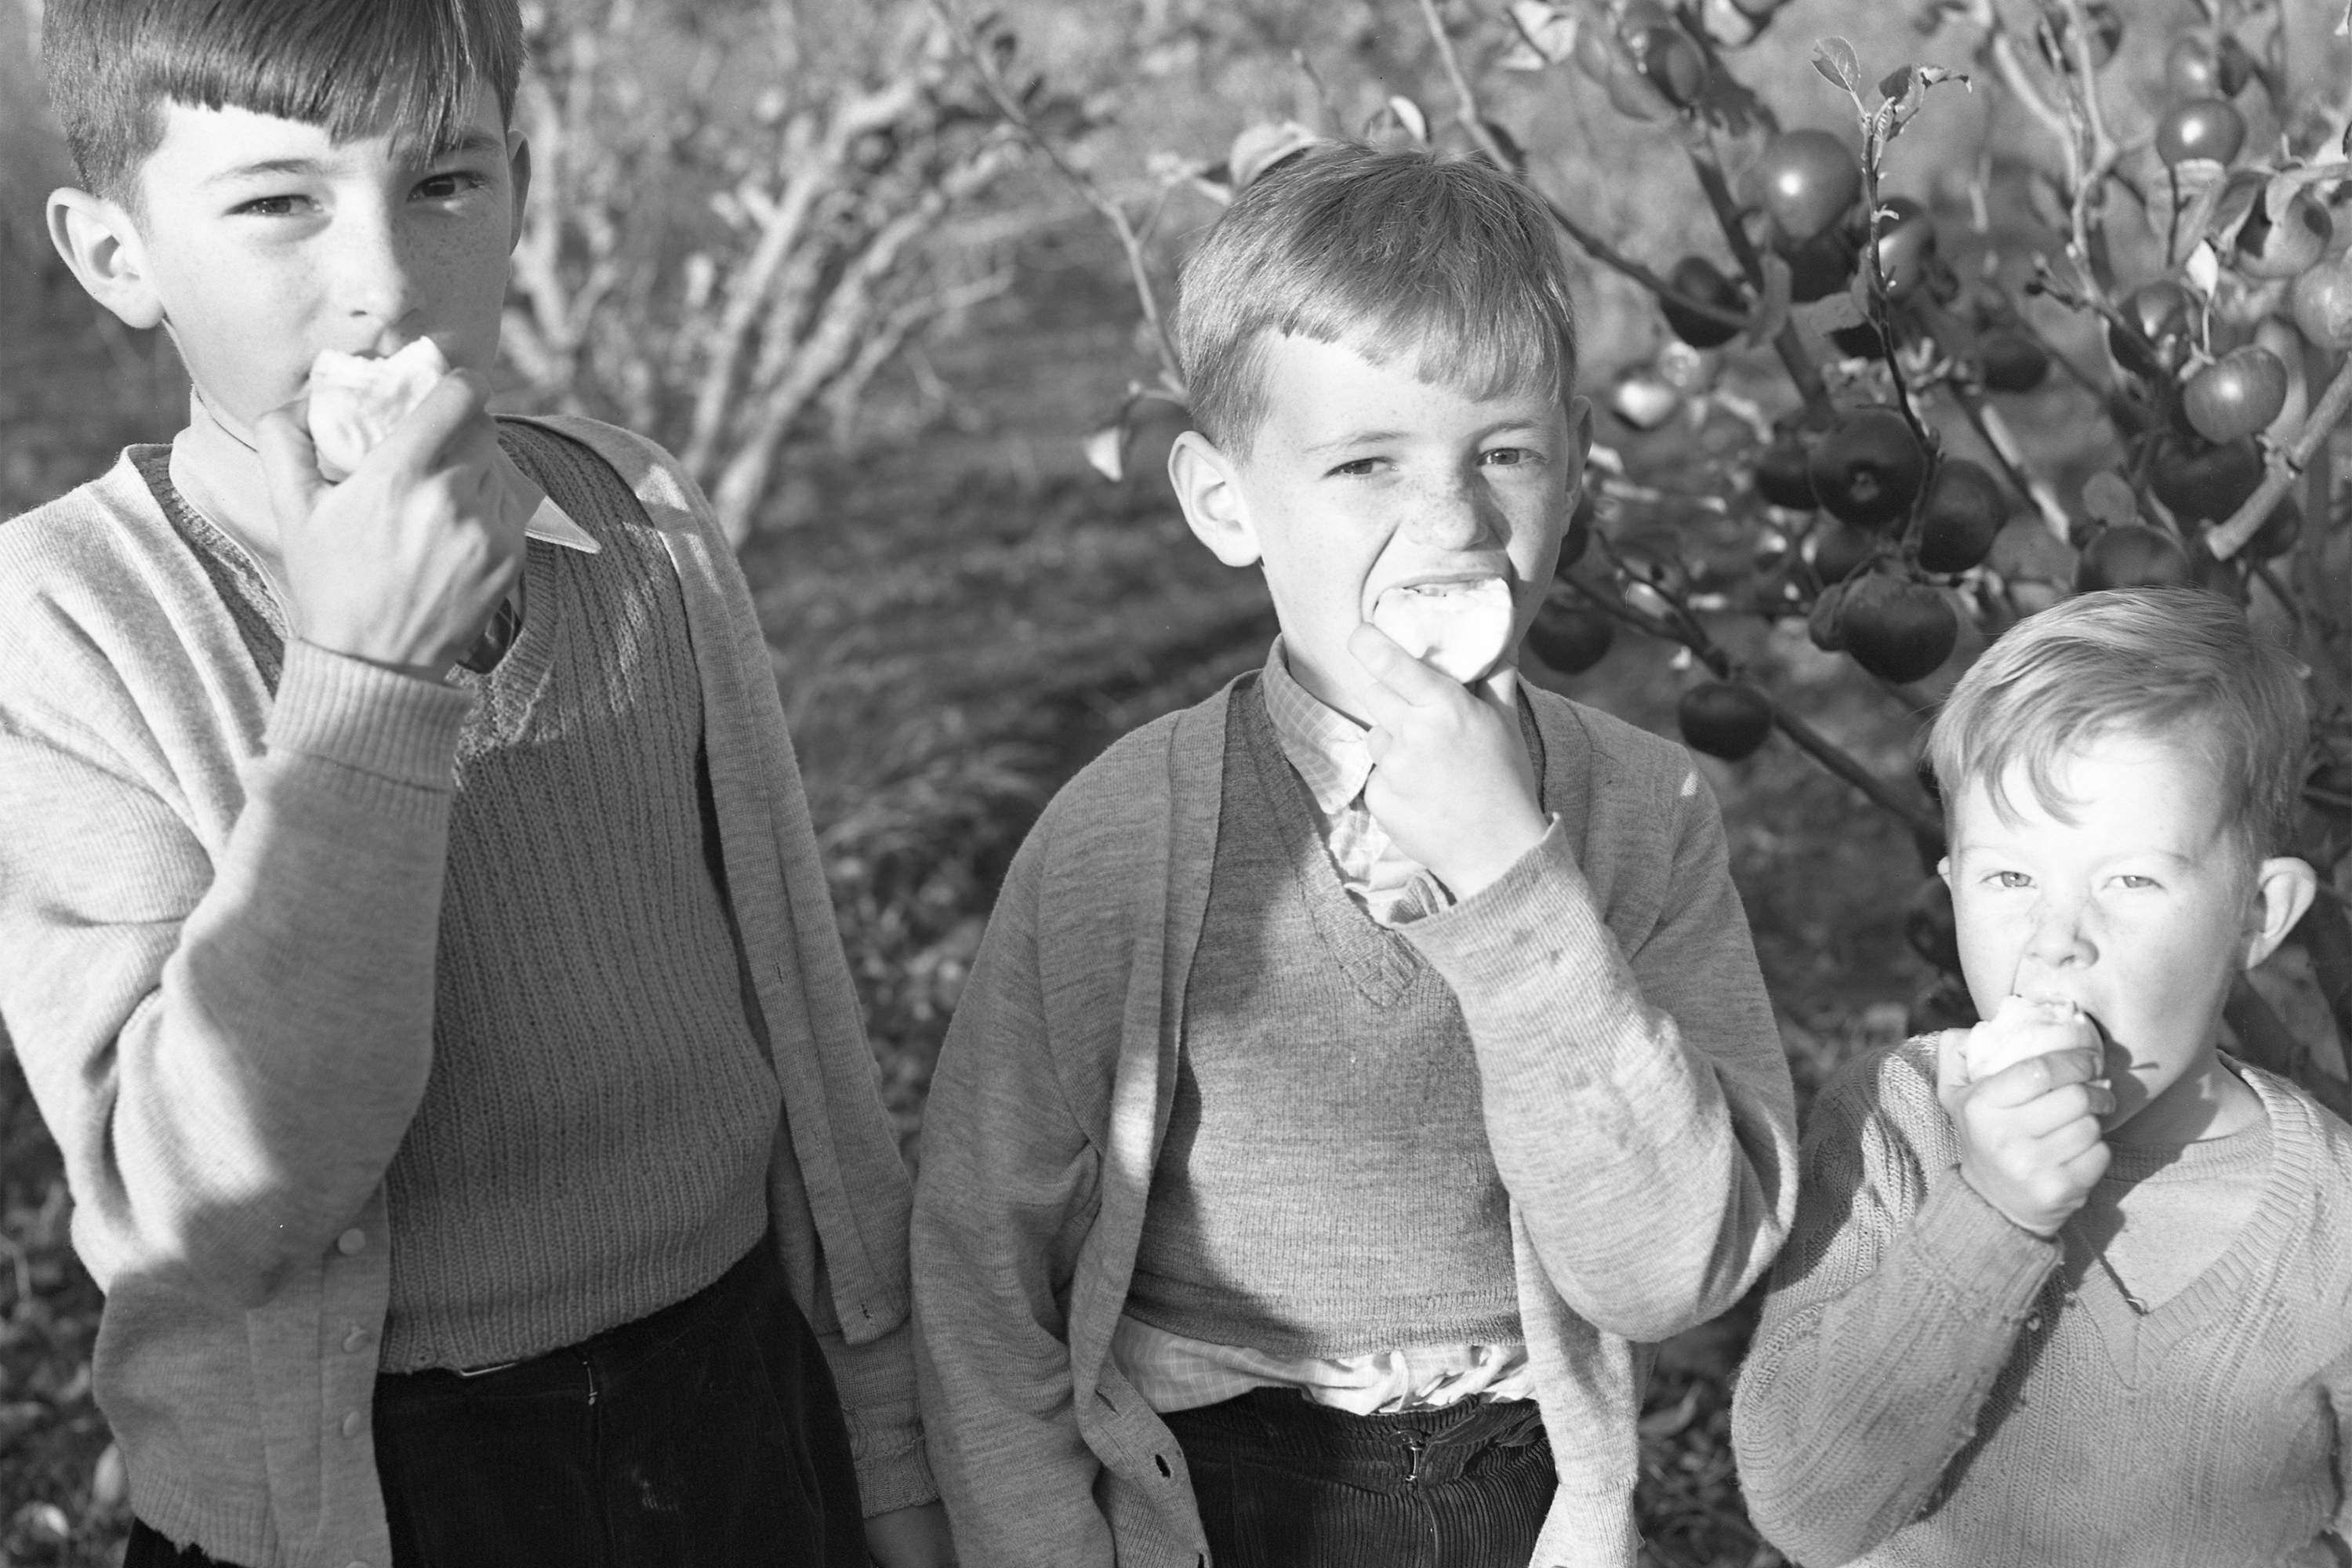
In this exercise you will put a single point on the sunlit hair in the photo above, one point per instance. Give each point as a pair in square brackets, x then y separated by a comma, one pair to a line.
[1393, 252]
[2179, 665]
[354, 68]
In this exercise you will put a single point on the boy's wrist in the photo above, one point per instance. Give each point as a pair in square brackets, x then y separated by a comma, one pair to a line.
[1492, 857]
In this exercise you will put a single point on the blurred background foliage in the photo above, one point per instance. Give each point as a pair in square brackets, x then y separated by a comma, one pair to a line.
[800, 242]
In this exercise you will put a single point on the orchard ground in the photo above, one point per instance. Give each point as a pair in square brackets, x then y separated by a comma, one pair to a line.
[960, 616]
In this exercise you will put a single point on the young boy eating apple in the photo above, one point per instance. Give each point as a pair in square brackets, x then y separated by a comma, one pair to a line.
[2073, 1286]
[1361, 1064]
[460, 1085]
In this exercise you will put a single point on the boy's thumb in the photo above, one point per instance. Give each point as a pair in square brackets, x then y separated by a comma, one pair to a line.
[289, 463]
[1951, 1064]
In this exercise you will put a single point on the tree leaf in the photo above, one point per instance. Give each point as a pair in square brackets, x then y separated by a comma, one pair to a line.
[1548, 30]
[1833, 57]
[1899, 83]
[1409, 115]
[2204, 268]
[1105, 451]
[2108, 496]
[1261, 146]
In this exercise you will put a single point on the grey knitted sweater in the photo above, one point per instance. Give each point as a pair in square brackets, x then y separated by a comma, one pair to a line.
[1634, 1096]
[1933, 1387]
[221, 904]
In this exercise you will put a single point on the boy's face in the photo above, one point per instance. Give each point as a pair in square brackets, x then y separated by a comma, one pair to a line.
[1363, 478]
[2140, 910]
[262, 242]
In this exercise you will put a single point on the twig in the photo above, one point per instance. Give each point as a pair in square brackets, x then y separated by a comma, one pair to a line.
[1788, 342]
[1468, 115]
[1130, 242]
[2285, 466]
[1995, 432]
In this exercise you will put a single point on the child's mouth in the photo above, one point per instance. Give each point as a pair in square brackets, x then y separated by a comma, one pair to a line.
[1463, 627]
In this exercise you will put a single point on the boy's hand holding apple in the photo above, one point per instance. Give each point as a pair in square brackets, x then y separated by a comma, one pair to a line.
[1452, 783]
[402, 562]
[2025, 1091]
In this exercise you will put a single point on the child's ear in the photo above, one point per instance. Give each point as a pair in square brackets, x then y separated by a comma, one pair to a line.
[2284, 888]
[1580, 430]
[519, 177]
[101, 245]
[1211, 493]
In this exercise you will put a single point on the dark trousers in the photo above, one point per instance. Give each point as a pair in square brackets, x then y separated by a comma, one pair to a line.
[1285, 1483]
[705, 1436]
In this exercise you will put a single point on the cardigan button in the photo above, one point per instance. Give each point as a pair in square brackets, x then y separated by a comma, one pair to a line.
[353, 1424]
[350, 1241]
[356, 1340]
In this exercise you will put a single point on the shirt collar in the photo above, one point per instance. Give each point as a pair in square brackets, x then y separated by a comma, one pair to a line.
[1325, 747]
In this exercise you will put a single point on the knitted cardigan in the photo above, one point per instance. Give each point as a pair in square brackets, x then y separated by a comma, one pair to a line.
[1635, 1098]
[176, 877]
[1932, 1387]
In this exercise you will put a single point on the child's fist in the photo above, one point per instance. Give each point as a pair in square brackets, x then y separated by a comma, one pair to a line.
[2028, 1127]
[1452, 782]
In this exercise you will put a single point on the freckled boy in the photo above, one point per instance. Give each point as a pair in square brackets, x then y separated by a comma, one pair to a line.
[1360, 1064]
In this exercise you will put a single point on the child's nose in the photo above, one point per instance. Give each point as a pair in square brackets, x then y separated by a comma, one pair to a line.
[1457, 516]
[2058, 938]
[376, 278]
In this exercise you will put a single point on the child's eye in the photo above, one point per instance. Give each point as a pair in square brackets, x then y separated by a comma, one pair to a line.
[2134, 880]
[269, 206]
[1357, 467]
[450, 186]
[1509, 456]
[2011, 879]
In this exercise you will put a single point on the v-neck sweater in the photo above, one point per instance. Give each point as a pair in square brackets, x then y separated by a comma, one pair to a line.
[1931, 1387]
[1376, 1219]
[1635, 1096]
[220, 896]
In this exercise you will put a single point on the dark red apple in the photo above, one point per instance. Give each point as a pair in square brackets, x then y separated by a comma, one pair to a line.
[2191, 70]
[2323, 303]
[2012, 362]
[1782, 476]
[2132, 556]
[1838, 548]
[1807, 178]
[1965, 507]
[1570, 638]
[2196, 480]
[2162, 315]
[2236, 396]
[2201, 128]
[1725, 719]
[1822, 265]
[1898, 630]
[1867, 467]
[1821, 624]
[1906, 245]
[1675, 65]
[1696, 277]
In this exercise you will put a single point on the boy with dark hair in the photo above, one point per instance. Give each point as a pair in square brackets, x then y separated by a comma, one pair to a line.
[1362, 1065]
[459, 1082]
[2072, 1286]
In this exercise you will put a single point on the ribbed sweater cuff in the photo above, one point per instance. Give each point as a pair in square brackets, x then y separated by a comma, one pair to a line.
[1538, 918]
[1984, 1259]
[368, 717]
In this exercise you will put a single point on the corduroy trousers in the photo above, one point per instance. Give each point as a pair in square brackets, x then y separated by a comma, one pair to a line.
[1286, 1483]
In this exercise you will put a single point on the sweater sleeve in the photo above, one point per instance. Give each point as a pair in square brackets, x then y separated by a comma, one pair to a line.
[1006, 1193]
[229, 1043]
[1638, 1104]
[1894, 1309]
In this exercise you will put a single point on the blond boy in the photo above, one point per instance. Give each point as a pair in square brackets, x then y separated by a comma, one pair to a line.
[2073, 1287]
[1362, 1064]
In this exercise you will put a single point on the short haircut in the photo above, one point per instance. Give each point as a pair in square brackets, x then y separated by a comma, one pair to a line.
[1392, 251]
[2180, 666]
[355, 68]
